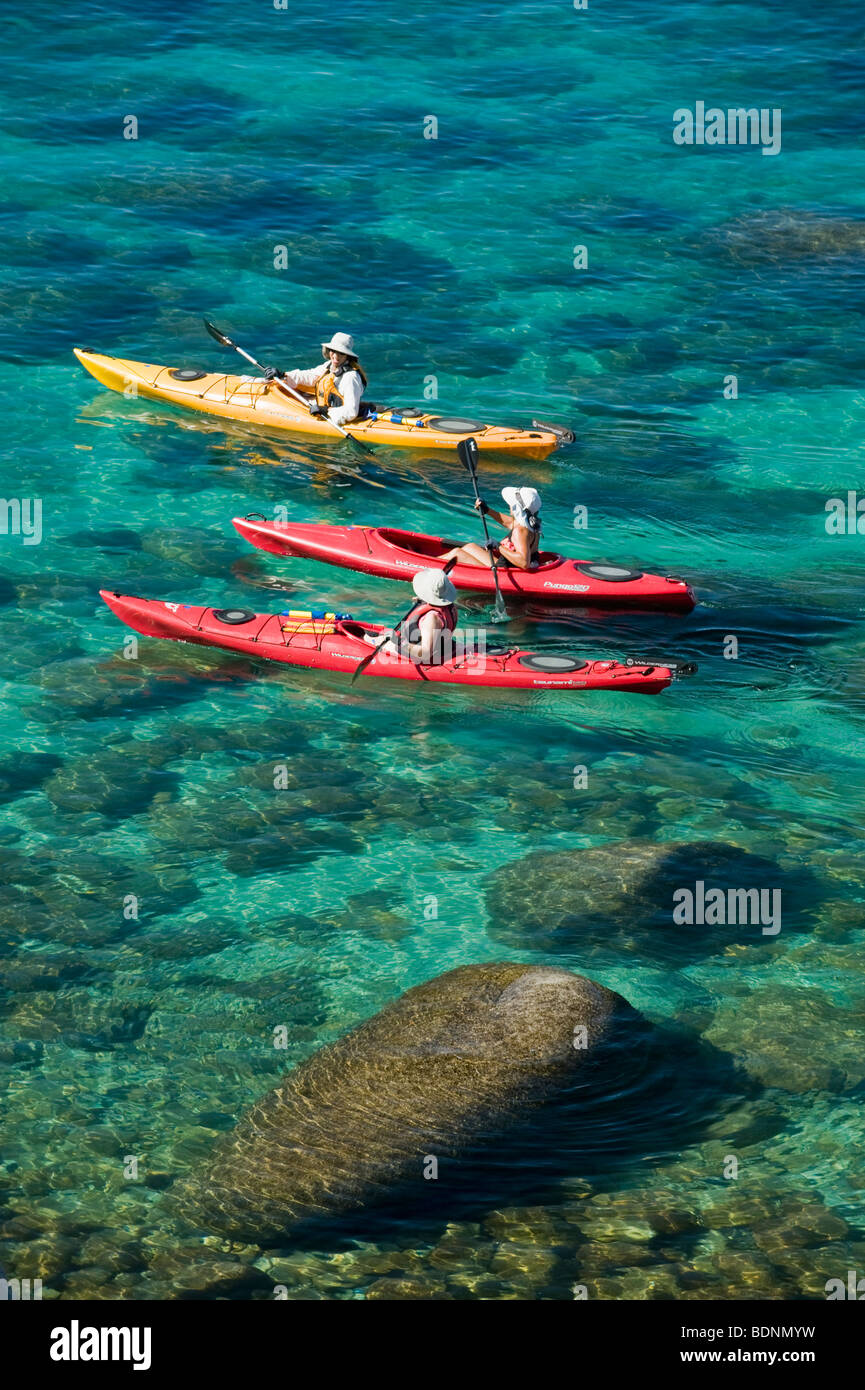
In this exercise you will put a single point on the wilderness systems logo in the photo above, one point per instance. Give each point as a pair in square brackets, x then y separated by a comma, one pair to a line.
[735, 126]
[76, 1343]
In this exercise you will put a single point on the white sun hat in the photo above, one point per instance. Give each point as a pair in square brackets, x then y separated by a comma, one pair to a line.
[526, 497]
[433, 586]
[340, 342]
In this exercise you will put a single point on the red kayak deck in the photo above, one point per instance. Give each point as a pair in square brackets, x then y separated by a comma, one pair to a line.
[341, 647]
[394, 554]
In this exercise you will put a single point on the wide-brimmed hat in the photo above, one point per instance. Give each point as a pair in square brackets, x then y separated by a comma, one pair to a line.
[340, 342]
[528, 498]
[433, 586]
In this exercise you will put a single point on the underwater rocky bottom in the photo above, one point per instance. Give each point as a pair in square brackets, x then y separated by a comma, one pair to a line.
[696, 1180]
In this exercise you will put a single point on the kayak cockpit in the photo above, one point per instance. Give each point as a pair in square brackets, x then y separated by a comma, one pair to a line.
[351, 628]
[430, 547]
[414, 543]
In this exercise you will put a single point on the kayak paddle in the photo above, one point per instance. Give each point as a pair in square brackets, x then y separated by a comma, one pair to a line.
[289, 390]
[375, 651]
[467, 452]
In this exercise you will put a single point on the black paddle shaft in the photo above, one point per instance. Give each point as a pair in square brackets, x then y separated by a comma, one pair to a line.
[467, 452]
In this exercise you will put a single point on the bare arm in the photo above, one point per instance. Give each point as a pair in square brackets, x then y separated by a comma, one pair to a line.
[503, 518]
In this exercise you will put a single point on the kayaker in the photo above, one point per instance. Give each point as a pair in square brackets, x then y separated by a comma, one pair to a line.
[423, 635]
[339, 382]
[522, 522]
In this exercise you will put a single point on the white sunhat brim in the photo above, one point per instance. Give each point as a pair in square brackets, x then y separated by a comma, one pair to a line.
[513, 494]
[340, 342]
[434, 587]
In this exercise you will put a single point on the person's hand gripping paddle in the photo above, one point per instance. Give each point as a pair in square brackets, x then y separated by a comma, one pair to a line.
[289, 390]
[467, 451]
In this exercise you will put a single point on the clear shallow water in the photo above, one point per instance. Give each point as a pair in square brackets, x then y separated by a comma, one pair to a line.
[154, 777]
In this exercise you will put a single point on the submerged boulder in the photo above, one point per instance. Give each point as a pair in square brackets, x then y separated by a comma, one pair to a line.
[620, 897]
[450, 1063]
[780, 235]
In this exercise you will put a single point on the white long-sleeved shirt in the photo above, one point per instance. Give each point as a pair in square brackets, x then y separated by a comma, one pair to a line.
[350, 388]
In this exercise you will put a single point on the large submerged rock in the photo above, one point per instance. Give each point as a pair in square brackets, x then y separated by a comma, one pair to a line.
[619, 897]
[452, 1062]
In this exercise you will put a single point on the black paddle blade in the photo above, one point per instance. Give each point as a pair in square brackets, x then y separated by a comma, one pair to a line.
[467, 453]
[215, 333]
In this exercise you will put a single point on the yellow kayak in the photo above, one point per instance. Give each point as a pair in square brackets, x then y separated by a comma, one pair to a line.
[260, 402]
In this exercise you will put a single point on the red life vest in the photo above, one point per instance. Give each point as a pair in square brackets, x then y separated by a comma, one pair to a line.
[409, 630]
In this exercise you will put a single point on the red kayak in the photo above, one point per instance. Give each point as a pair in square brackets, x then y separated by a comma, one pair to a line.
[335, 642]
[395, 554]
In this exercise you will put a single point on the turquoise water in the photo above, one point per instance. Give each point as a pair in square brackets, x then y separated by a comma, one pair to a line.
[153, 777]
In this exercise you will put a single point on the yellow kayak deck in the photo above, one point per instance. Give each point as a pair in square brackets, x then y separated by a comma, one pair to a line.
[263, 403]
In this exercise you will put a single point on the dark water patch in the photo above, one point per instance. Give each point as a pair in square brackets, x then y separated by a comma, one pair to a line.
[81, 1018]
[269, 816]
[236, 203]
[622, 897]
[77, 896]
[157, 680]
[183, 940]
[118, 782]
[379, 914]
[117, 539]
[590, 331]
[42, 312]
[792, 631]
[406, 271]
[37, 591]
[20, 1053]
[25, 661]
[287, 850]
[38, 247]
[667, 452]
[287, 994]
[207, 552]
[195, 120]
[26, 772]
